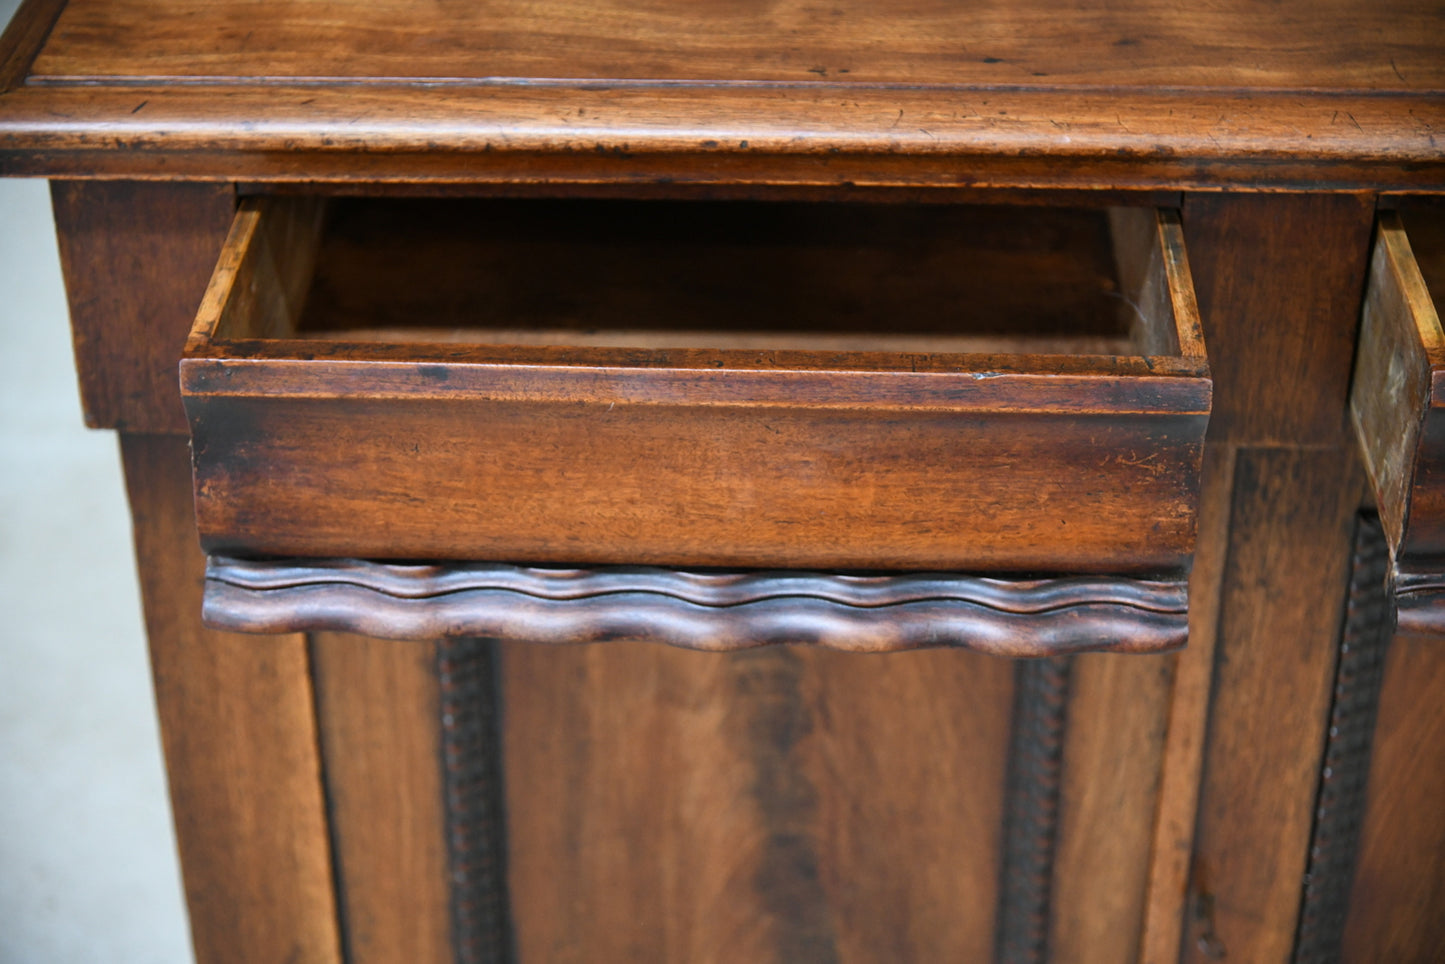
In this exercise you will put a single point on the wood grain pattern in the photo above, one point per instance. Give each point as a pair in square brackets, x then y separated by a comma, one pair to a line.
[1032, 280]
[730, 274]
[1396, 903]
[240, 735]
[136, 259]
[1138, 43]
[1280, 605]
[379, 716]
[604, 133]
[470, 708]
[1016, 95]
[1398, 399]
[1112, 761]
[27, 30]
[1285, 382]
[1190, 698]
[774, 805]
[855, 459]
[1339, 808]
[1299, 262]
[1031, 810]
[707, 611]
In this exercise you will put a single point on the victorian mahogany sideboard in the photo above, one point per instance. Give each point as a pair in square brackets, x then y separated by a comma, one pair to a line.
[1021, 420]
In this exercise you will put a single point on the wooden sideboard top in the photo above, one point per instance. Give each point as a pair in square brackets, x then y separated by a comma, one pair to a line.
[1343, 94]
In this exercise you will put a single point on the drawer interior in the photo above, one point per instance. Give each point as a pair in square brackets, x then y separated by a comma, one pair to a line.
[1425, 227]
[751, 385]
[777, 276]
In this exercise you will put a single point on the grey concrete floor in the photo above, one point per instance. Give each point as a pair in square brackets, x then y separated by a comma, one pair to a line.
[88, 870]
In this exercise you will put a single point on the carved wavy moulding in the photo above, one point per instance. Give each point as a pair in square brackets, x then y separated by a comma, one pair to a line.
[1419, 601]
[698, 610]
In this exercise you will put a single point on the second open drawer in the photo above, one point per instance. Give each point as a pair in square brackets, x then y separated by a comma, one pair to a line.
[703, 384]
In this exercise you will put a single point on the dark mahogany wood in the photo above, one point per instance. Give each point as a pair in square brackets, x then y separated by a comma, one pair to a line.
[1339, 811]
[1258, 404]
[706, 611]
[1109, 794]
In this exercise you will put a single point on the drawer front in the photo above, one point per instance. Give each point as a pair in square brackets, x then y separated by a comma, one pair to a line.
[803, 456]
[1397, 404]
[613, 480]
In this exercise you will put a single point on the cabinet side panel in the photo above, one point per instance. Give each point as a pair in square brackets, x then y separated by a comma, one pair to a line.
[136, 257]
[240, 737]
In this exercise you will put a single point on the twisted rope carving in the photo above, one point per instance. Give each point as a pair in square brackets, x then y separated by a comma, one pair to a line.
[1341, 801]
[1031, 815]
[475, 821]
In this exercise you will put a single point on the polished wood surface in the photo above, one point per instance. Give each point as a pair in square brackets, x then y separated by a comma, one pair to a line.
[782, 804]
[1186, 721]
[378, 712]
[23, 37]
[136, 259]
[777, 804]
[1113, 748]
[855, 459]
[1285, 381]
[1399, 884]
[588, 134]
[1289, 542]
[712, 611]
[1292, 45]
[239, 729]
[1292, 510]
[1002, 95]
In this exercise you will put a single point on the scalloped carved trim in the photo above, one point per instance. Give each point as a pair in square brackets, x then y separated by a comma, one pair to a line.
[1419, 600]
[707, 611]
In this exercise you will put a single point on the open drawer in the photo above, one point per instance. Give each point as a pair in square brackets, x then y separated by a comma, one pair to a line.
[1397, 404]
[750, 385]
